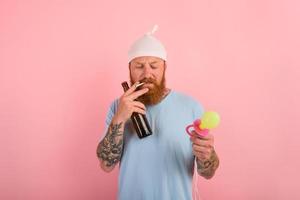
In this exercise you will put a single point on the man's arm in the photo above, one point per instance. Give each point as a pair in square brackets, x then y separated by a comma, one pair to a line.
[208, 167]
[109, 150]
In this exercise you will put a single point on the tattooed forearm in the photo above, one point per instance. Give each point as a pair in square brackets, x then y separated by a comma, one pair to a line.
[208, 167]
[110, 148]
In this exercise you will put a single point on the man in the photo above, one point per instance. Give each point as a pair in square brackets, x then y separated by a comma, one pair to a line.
[159, 166]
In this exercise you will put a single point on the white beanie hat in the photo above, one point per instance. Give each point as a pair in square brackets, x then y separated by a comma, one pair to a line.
[147, 45]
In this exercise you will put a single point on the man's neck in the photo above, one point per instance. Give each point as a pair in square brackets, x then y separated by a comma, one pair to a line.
[166, 92]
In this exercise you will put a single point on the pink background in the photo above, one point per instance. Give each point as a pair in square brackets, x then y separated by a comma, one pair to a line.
[62, 62]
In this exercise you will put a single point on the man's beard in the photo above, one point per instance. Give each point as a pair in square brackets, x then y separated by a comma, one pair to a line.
[155, 94]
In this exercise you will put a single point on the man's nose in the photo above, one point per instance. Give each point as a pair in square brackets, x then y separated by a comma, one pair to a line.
[147, 72]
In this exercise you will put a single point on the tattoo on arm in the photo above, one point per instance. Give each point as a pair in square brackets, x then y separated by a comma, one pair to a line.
[110, 148]
[208, 167]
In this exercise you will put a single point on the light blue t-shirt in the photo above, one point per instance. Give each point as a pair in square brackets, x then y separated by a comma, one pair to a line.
[160, 166]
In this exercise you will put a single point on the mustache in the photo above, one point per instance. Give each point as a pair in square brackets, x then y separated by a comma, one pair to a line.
[148, 80]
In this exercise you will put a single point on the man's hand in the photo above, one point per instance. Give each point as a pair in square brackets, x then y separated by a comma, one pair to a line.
[202, 146]
[128, 105]
[207, 159]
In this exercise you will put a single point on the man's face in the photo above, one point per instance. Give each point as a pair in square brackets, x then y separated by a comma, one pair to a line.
[150, 70]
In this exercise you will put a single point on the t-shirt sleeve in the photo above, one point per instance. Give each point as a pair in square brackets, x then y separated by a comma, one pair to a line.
[110, 114]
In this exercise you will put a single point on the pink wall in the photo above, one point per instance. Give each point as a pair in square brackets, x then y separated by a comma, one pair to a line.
[61, 64]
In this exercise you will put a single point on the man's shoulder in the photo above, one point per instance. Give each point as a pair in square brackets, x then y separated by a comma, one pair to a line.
[182, 96]
[189, 102]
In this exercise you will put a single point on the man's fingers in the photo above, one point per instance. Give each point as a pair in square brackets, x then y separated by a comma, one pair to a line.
[201, 142]
[201, 149]
[138, 93]
[131, 89]
[139, 110]
[196, 135]
[139, 104]
[199, 137]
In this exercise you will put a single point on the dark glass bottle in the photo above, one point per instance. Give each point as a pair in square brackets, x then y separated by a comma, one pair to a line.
[139, 120]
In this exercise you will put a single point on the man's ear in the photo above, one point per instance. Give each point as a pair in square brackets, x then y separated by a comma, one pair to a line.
[165, 63]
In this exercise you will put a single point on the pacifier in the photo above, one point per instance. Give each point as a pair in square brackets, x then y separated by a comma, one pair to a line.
[202, 126]
[197, 129]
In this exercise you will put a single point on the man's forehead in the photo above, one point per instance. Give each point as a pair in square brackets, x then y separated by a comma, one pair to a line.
[149, 59]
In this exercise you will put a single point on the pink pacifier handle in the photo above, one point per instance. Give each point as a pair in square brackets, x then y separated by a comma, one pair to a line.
[187, 129]
[196, 124]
